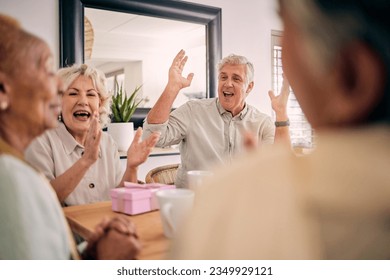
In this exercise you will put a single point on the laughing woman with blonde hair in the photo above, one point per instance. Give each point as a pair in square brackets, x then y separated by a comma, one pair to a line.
[81, 162]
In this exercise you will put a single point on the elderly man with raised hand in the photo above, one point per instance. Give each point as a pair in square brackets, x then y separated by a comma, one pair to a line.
[333, 203]
[211, 131]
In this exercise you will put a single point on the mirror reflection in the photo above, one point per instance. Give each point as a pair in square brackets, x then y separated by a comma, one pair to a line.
[138, 50]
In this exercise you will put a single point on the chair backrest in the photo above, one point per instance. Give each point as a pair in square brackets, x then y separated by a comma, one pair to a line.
[165, 174]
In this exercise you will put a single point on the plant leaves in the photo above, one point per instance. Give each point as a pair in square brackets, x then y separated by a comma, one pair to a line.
[124, 108]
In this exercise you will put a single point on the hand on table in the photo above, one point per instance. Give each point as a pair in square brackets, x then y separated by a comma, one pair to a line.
[113, 239]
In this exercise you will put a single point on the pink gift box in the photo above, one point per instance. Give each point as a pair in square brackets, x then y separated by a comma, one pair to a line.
[153, 188]
[136, 198]
[130, 201]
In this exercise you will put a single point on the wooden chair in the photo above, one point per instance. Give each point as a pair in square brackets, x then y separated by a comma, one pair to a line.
[165, 174]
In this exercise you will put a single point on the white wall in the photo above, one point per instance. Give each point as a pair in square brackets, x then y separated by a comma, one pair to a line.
[246, 30]
[40, 17]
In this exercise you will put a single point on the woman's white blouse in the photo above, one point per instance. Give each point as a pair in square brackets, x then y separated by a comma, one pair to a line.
[56, 151]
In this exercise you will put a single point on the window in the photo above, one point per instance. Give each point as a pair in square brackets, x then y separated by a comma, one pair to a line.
[301, 133]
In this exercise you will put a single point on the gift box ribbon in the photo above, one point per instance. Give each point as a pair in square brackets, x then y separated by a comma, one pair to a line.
[121, 199]
[152, 187]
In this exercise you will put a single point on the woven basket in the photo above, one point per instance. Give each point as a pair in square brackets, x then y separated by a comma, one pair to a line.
[88, 38]
[163, 174]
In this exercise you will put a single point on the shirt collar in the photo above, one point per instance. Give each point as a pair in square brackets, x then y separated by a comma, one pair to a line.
[70, 144]
[5, 148]
[222, 111]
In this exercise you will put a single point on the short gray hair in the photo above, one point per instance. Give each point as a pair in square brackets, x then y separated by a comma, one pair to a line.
[234, 59]
[328, 26]
[71, 73]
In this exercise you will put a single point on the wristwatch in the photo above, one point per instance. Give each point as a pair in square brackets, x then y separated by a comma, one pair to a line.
[282, 123]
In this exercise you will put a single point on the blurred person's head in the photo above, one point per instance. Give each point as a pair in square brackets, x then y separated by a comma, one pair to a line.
[235, 81]
[28, 85]
[336, 57]
[85, 93]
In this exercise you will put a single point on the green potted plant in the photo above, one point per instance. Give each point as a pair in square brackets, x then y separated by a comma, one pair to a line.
[123, 107]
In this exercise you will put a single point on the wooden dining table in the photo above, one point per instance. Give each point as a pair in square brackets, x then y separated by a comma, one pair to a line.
[82, 220]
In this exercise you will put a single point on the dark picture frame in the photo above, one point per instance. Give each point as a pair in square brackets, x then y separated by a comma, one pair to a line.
[72, 31]
[72, 27]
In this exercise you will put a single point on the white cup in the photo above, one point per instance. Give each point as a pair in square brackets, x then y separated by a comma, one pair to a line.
[175, 204]
[195, 178]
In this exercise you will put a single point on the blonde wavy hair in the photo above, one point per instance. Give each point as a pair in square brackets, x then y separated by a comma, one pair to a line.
[71, 73]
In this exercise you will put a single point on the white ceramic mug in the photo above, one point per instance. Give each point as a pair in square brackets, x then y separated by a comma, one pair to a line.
[175, 204]
[195, 178]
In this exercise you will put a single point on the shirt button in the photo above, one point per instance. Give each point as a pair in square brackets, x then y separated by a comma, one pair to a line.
[91, 186]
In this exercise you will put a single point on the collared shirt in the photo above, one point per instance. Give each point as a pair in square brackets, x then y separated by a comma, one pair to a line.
[56, 151]
[208, 134]
[33, 225]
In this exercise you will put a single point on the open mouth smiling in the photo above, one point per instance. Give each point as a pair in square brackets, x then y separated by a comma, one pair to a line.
[82, 114]
[228, 94]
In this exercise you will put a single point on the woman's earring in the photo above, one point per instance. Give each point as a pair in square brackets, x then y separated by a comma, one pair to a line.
[60, 117]
[3, 105]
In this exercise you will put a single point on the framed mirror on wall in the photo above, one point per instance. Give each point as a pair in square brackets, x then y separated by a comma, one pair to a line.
[134, 50]
[134, 43]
